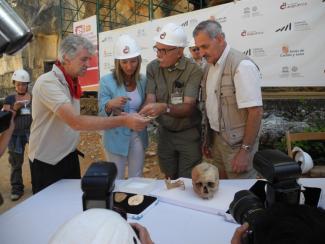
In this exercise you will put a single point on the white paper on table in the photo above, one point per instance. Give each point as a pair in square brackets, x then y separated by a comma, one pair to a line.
[219, 204]
[137, 185]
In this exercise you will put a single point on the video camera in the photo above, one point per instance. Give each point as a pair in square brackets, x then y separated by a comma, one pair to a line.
[281, 174]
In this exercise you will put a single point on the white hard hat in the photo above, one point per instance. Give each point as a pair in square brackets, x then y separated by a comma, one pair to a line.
[172, 35]
[21, 75]
[95, 226]
[192, 43]
[304, 158]
[125, 47]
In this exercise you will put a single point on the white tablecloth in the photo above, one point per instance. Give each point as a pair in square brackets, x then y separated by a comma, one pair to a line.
[36, 219]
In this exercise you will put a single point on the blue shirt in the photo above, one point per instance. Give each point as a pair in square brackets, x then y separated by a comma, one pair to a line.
[117, 140]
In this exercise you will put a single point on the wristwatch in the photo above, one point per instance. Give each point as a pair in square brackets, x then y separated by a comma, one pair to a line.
[245, 147]
[167, 109]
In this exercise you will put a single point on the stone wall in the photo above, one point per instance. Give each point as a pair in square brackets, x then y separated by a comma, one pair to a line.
[279, 116]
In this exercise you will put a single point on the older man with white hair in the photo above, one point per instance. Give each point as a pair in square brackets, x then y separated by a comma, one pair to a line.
[172, 91]
[56, 116]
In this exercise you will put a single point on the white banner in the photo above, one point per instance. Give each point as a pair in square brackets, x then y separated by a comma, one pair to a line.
[285, 38]
[88, 29]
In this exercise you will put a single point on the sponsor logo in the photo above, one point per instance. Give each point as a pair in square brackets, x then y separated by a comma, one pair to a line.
[287, 52]
[251, 12]
[247, 10]
[126, 49]
[248, 52]
[185, 23]
[293, 72]
[285, 49]
[255, 52]
[245, 33]
[284, 28]
[162, 35]
[286, 5]
[222, 19]
[295, 26]
[193, 22]
[107, 54]
[107, 38]
[80, 29]
[294, 69]
[285, 69]
[141, 32]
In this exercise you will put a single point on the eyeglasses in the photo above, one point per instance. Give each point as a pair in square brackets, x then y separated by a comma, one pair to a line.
[163, 50]
[195, 49]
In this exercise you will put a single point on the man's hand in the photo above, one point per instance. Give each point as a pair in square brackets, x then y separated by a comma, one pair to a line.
[135, 121]
[236, 238]
[153, 109]
[144, 235]
[240, 161]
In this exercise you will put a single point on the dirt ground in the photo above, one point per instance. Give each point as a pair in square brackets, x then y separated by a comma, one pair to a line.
[91, 146]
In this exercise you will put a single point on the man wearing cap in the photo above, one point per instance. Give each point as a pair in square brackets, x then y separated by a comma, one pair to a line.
[195, 54]
[172, 91]
[233, 99]
[56, 116]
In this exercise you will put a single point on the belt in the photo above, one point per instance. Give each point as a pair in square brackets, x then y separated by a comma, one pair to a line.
[176, 131]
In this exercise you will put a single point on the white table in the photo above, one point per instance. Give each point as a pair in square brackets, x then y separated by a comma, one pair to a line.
[35, 220]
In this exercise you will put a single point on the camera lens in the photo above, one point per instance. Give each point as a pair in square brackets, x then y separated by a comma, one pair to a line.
[246, 207]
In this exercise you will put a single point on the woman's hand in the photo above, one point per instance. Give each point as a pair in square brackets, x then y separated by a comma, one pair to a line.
[116, 104]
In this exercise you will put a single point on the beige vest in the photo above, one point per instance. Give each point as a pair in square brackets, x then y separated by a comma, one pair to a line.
[232, 121]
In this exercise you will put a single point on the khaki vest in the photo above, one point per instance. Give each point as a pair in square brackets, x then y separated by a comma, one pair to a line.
[232, 121]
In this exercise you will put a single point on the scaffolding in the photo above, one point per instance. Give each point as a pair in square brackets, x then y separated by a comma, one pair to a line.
[112, 14]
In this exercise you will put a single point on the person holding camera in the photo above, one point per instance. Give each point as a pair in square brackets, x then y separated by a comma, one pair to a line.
[123, 90]
[172, 92]
[20, 102]
[56, 116]
[231, 90]
[282, 224]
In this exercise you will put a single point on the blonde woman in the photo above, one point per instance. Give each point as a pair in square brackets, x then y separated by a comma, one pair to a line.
[123, 91]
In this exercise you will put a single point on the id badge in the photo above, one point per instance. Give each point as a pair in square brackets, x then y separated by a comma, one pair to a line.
[176, 98]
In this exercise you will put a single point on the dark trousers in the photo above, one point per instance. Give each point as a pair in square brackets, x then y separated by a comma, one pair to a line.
[16, 161]
[44, 174]
[179, 152]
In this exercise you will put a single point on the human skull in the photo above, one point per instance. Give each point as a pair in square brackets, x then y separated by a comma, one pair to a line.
[205, 180]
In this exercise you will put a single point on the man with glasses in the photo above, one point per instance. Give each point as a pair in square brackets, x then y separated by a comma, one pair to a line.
[172, 91]
[196, 56]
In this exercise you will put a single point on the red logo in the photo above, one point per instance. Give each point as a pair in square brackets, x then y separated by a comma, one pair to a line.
[163, 35]
[126, 50]
[285, 49]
